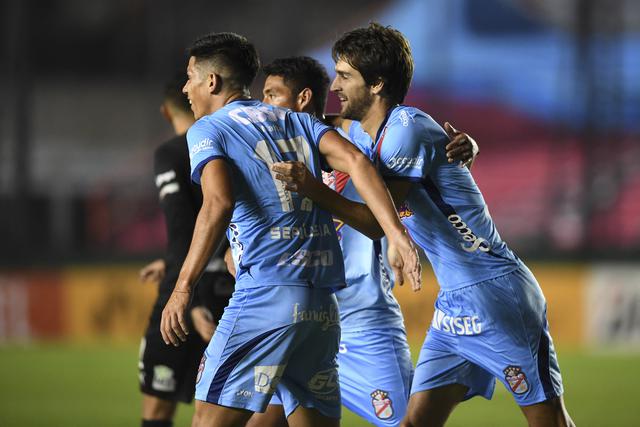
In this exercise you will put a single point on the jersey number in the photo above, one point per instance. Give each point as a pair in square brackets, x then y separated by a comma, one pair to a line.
[297, 145]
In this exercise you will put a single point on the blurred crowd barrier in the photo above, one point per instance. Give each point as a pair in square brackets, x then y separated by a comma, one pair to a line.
[588, 304]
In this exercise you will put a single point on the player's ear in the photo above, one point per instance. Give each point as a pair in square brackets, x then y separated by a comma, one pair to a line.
[165, 111]
[376, 88]
[304, 98]
[214, 82]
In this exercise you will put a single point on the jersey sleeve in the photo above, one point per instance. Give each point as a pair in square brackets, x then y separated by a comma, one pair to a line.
[315, 128]
[360, 139]
[406, 151]
[176, 200]
[206, 143]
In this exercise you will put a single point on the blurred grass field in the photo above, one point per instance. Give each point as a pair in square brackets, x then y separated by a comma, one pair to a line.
[96, 385]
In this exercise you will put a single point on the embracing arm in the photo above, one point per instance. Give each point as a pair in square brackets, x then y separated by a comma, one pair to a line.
[211, 223]
[343, 156]
[298, 178]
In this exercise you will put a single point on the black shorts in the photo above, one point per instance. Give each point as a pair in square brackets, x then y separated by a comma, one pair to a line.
[169, 372]
[166, 371]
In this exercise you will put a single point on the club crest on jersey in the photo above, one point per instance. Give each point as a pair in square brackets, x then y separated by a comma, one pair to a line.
[382, 405]
[404, 211]
[517, 379]
[201, 368]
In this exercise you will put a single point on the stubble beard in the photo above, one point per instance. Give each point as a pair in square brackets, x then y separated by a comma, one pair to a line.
[358, 107]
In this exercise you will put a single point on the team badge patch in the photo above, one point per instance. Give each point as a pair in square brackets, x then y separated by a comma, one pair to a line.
[517, 379]
[382, 405]
[201, 368]
[404, 211]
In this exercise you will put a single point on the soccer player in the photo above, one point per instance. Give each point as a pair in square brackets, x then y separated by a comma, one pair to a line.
[168, 374]
[375, 367]
[280, 331]
[490, 314]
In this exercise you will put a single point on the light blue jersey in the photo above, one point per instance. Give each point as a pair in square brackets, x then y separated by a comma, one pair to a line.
[490, 314]
[367, 303]
[374, 359]
[444, 211]
[277, 237]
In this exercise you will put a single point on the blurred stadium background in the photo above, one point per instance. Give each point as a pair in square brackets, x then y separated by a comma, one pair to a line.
[550, 89]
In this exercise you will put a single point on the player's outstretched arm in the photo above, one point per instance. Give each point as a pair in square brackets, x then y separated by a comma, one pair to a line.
[402, 253]
[299, 179]
[213, 219]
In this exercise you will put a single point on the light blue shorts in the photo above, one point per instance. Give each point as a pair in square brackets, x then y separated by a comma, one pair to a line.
[277, 339]
[375, 375]
[493, 329]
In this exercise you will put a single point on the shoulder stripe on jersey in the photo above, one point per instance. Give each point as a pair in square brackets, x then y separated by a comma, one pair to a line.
[446, 209]
[382, 131]
[164, 177]
[170, 188]
[221, 376]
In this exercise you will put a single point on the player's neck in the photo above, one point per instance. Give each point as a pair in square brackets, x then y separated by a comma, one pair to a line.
[374, 117]
[220, 100]
[181, 123]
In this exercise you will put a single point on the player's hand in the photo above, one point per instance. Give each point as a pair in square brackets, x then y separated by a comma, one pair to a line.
[405, 261]
[462, 147]
[153, 272]
[228, 260]
[203, 322]
[172, 325]
[295, 176]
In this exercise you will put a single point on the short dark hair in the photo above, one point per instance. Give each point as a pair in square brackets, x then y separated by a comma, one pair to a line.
[231, 53]
[173, 93]
[299, 72]
[378, 53]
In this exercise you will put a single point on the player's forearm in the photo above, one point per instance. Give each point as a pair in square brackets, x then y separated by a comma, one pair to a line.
[211, 223]
[374, 192]
[354, 214]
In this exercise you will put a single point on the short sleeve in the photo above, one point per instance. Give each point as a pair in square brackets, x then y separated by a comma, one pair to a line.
[315, 128]
[406, 151]
[206, 143]
[360, 139]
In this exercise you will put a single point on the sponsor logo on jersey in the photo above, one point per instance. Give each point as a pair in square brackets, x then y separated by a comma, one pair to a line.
[328, 318]
[201, 368]
[404, 211]
[401, 163]
[324, 384]
[267, 377]
[517, 379]
[244, 394]
[303, 232]
[205, 144]
[456, 325]
[163, 379]
[405, 117]
[382, 405]
[475, 242]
